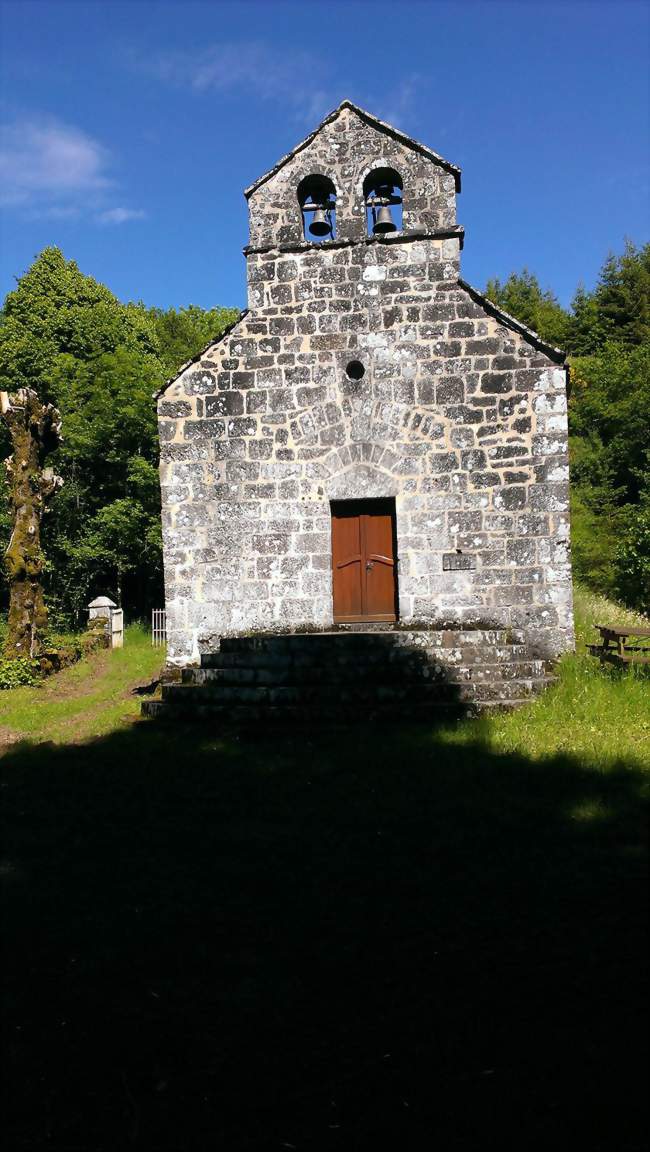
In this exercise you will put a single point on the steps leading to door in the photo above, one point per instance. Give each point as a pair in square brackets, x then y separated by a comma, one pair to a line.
[342, 676]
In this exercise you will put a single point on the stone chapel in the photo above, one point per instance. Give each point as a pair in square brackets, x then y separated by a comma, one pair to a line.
[373, 448]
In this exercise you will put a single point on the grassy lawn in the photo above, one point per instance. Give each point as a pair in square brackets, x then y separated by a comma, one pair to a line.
[599, 714]
[412, 937]
[89, 699]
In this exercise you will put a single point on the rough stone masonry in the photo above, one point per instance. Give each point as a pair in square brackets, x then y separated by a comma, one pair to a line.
[460, 416]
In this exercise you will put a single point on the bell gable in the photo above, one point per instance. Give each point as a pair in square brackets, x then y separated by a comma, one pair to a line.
[348, 149]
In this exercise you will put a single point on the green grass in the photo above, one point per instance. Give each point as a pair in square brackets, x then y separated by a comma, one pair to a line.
[599, 713]
[91, 698]
[403, 937]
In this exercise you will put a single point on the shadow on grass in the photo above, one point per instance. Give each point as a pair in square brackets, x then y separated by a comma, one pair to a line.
[357, 940]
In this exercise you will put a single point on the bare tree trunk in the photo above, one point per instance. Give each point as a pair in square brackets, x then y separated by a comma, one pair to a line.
[35, 430]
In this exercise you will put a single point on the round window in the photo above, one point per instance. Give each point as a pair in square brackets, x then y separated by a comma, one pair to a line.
[355, 370]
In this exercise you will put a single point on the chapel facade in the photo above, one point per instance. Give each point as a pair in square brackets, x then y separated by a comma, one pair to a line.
[373, 443]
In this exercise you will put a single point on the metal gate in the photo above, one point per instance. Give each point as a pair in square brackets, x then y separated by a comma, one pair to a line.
[158, 627]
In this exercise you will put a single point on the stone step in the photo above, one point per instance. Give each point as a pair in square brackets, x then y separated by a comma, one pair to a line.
[287, 673]
[351, 641]
[324, 677]
[340, 658]
[292, 716]
[359, 694]
[154, 709]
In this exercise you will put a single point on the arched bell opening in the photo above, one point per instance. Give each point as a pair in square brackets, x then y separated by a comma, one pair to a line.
[382, 194]
[317, 199]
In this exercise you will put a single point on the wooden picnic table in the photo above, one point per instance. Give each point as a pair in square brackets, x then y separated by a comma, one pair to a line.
[615, 645]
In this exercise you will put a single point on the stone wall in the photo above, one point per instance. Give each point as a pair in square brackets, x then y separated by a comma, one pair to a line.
[460, 416]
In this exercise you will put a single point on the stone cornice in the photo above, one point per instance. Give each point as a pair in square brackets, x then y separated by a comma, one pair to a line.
[455, 233]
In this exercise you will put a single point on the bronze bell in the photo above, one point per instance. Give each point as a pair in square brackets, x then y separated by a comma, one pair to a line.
[320, 225]
[384, 221]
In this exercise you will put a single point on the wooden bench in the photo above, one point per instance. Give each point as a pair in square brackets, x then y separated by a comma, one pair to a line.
[615, 646]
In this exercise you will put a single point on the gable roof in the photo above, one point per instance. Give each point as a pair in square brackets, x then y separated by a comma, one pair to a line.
[374, 122]
[199, 356]
[509, 321]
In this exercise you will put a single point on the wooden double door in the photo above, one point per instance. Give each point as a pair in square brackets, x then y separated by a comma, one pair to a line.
[364, 560]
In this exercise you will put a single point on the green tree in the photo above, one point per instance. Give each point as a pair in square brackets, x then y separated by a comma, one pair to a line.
[623, 297]
[34, 431]
[608, 409]
[522, 297]
[100, 361]
[632, 554]
[185, 332]
[110, 456]
[116, 542]
[607, 334]
[583, 338]
[593, 540]
[56, 310]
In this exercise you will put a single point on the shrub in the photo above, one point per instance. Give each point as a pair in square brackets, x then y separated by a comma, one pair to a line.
[63, 649]
[632, 557]
[18, 672]
[60, 650]
[593, 542]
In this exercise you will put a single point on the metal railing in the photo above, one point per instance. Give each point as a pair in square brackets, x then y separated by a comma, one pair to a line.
[158, 627]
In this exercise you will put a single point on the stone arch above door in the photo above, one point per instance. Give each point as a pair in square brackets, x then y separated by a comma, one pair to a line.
[361, 481]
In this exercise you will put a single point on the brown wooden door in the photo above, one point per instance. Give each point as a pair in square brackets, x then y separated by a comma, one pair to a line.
[364, 577]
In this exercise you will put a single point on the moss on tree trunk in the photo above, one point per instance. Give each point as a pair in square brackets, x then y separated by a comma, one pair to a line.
[35, 429]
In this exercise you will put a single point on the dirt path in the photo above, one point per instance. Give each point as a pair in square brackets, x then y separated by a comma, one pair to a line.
[91, 698]
[78, 680]
[7, 737]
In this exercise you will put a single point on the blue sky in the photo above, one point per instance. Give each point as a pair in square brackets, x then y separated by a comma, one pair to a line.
[130, 129]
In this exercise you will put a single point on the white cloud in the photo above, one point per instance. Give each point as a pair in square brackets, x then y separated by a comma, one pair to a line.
[303, 83]
[120, 215]
[296, 80]
[57, 171]
[49, 161]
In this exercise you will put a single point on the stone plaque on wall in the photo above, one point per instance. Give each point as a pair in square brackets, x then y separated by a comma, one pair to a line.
[456, 562]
